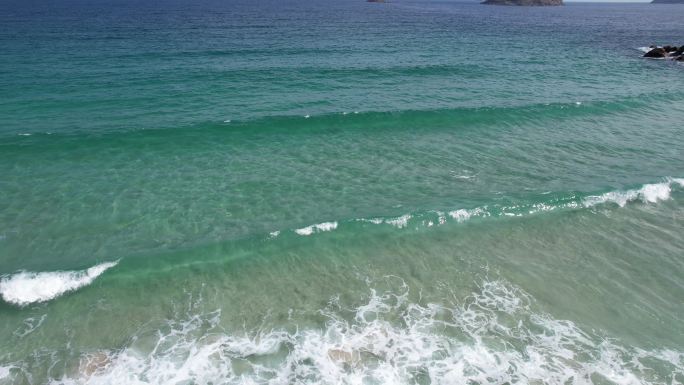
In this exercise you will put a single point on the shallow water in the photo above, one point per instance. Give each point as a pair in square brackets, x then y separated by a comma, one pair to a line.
[340, 192]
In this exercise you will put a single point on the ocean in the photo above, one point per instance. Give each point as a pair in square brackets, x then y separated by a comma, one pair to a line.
[340, 192]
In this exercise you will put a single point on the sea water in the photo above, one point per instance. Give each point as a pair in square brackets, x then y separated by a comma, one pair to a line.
[340, 192]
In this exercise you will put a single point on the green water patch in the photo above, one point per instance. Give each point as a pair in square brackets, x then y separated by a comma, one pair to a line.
[604, 248]
[621, 266]
[69, 198]
[441, 119]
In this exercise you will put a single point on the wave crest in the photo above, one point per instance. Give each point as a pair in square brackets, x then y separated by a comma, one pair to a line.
[25, 287]
[326, 226]
[648, 193]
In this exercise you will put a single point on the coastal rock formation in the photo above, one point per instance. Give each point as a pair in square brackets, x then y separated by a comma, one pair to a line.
[656, 52]
[668, 2]
[667, 52]
[524, 2]
[375, 1]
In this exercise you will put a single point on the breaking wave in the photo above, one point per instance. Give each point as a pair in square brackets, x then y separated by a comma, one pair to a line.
[327, 226]
[493, 336]
[648, 193]
[25, 287]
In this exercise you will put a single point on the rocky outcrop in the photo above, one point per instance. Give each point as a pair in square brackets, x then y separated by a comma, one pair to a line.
[655, 53]
[666, 52]
[524, 2]
[668, 2]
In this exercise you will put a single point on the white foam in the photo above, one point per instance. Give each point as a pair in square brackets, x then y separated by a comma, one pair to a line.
[649, 193]
[679, 181]
[375, 221]
[399, 222]
[493, 336]
[620, 198]
[460, 215]
[274, 234]
[4, 371]
[325, 226]
[25, 287]
[652, 193]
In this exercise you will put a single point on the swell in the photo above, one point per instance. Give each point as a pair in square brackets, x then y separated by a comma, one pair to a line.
[351, 228]
[464, 71]
[536, 115]
[237, 52]
[651, 193]
[25, 288]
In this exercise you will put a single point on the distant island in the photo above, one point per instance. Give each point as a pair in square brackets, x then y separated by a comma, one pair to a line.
[526, 2]
[668, 2]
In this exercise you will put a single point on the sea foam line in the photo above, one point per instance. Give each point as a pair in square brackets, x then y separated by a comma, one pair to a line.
[325, 226]
[648, 193]
[27, 287]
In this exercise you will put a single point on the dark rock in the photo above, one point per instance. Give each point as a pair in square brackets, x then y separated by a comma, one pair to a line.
[679, 58]
[668, 2]
[680, 51]
[670, 48]
[656, 52]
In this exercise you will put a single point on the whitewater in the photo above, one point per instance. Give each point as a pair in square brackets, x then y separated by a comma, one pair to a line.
[340, 192]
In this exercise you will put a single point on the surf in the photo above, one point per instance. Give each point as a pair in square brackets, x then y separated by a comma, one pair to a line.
[25, 288]
[494, 335]
[650, 193]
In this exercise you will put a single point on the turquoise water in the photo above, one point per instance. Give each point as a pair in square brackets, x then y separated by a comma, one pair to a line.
[340, 193]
